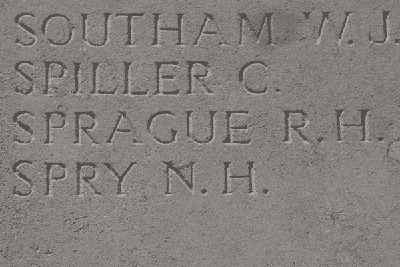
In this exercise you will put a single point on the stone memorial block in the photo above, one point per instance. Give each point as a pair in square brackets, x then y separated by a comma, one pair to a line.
[199, 133]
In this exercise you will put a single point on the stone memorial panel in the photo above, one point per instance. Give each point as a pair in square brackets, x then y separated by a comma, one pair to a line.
[199, 133]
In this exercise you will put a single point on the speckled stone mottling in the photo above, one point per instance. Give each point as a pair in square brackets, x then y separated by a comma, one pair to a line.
[321, 194]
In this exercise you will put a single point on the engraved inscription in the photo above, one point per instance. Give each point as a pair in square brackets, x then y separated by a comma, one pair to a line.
[209, 88]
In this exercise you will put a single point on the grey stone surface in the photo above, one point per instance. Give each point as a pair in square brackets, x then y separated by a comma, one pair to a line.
[323, 191]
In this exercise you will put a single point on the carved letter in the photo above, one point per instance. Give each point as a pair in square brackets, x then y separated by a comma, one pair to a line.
[178, 170]
[228, 179]
[289, 126]
[26, 28]
[70, 29]
[386, 35]
[77, 78]
[129, 17]
[120, 177]
[193, 77]
[242, 72]
[128, 86]
[23, 126]
[207, 139]
[51, 126]
[97, 89]
[79, 127]
[346, 21]
[158, 28]
[50, 172]
[326, 19]
[210, 18]
[229, 138]
[256, 33]
[106, 26]
[116, 128]
[49, 77]
[173, 132]
[161, 77]
[363, 125]
[87, 179]
[23, 177]
[25, 76]
[325, 16]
